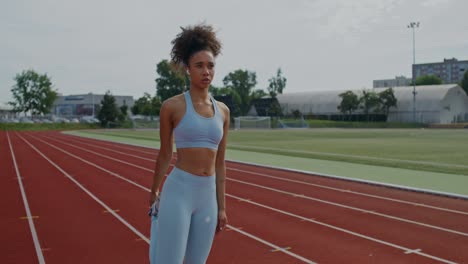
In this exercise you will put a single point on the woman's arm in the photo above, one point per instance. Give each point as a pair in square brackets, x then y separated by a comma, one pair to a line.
[165, 153]
[221, 172]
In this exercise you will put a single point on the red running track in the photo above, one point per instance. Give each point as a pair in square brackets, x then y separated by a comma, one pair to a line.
[275, 216]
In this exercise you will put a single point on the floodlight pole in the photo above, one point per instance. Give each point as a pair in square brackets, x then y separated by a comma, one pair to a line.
[414, 25]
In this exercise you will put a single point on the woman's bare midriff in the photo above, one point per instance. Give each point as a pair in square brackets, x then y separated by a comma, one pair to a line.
[197, 161]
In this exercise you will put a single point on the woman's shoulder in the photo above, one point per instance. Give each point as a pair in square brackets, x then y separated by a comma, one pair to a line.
[222, 106]
[174, 102]
[223, 109]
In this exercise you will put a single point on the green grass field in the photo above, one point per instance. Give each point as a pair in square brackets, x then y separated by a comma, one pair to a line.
[435, 150]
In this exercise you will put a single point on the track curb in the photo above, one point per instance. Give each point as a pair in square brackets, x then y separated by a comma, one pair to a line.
[319, 174]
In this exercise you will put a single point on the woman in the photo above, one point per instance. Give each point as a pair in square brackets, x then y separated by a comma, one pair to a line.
[192, 203]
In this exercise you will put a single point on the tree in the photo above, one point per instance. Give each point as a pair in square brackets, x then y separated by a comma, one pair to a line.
[147, 105]
[277, 84]
[33, 92]
[123, 112]
[369, 102]
[428, 80]
[387, 100]
[169, 82]
[141, 105]
[242, 82]
[214, 90]
[464, 82]
[349, 103]
[108, 112]
[155, 106]
[257, 94]
[296, 114]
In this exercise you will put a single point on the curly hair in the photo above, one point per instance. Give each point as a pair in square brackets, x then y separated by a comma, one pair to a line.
[191, 40]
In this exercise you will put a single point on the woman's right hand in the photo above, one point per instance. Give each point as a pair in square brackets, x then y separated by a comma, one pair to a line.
[153, 197]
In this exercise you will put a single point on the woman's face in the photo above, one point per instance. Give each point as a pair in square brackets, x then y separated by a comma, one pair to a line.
[201, 69]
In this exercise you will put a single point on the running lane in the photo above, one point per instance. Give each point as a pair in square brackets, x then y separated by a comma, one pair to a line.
[299, 235]
[131, 201]
[72, 227]
[395, 215]
[356, 187]
[16, 240]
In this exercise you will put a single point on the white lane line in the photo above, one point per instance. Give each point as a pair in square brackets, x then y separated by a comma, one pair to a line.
[347, 155]
[351, 156]
[328, 225]
[319, 185]
[404, 249]
[322, 175]
[413, 251]
[99, 154]
[330, 176]
[148, 190]
[108, 149]
[93, 164]
[275, 247]
[128, 225]
[300, 196]
[37, 245]
[353, 208]
[113, 144]
[353, 192]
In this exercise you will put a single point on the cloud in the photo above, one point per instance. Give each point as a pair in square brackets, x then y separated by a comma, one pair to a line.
[344, 19]
[98, 45]
[432, 3]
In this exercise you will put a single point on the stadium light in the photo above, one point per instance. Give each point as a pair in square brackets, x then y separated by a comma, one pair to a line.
[414, 25]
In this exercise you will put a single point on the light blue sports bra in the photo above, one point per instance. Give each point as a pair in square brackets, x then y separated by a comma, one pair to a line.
[196, 131]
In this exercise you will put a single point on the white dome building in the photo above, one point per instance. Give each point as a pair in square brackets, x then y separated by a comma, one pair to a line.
[442, 104]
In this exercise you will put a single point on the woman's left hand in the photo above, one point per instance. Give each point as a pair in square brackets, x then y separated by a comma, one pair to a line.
[222, 221]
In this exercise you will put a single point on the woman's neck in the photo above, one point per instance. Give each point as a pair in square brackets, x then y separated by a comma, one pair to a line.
[199, 94]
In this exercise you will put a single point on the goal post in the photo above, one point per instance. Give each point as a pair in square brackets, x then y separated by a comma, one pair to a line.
[293, 123]
[252, 122]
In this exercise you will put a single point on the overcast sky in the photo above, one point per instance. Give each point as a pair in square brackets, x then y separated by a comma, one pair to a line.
[98, 45]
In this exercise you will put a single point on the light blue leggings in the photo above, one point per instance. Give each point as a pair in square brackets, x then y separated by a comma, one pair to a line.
[186, 223]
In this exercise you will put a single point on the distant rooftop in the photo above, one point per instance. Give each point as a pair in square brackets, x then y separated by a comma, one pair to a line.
[452, 60]
[5, 106]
